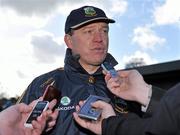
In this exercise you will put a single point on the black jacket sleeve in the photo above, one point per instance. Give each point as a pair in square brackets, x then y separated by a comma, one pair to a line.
[157, 94]
[164, 121]
[126, 124]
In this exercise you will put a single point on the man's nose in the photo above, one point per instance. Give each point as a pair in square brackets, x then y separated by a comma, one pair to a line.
[98, 37]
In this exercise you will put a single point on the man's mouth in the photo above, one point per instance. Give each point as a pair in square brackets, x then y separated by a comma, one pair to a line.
[98, 49]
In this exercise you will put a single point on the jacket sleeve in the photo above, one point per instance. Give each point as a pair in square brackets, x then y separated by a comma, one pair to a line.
[128, 124]
[157, 94]
[164, 121]
[132, 124]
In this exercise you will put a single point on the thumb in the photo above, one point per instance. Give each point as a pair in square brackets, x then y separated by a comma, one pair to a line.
[99, 104]
[23, 108]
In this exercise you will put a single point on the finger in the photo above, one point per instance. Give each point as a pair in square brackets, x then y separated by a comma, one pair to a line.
[81, 103]
[114, 85]
[40, 123]
[33, 103]
[78, 108]
[124, 73]
[104, 72]
[40, 98]
[80, 121]
[107, 77]
[36, 130]
[55, 114]
[99, 104]
[36, 125]
[52, 116]
[50, 125]
[51, 121]
[52, 104]
[111, 83]
[43, 117]
[115, 79]
[23, 108]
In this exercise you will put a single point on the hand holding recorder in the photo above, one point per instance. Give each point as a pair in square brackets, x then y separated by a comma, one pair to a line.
[129, 85]
[87, 111]
[12, 121]
[106, 111]
[46, 104]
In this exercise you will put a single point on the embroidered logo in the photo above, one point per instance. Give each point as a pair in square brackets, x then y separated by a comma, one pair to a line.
[65, 100]
[89, 11]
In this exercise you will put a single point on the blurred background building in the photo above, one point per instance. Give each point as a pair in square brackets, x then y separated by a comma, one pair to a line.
[163, 75]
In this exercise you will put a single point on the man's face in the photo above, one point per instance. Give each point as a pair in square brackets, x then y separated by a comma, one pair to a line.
[91, 42]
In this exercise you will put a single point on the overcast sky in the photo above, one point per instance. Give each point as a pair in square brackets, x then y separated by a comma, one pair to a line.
[31, 35]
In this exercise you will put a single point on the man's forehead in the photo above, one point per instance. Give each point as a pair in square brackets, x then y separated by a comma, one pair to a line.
[99, 24]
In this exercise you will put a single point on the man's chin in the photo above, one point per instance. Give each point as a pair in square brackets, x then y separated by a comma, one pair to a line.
[98, 63]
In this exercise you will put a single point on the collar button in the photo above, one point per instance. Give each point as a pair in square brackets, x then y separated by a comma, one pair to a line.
[91, 79]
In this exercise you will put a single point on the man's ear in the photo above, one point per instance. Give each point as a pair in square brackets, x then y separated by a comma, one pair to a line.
[68, 41]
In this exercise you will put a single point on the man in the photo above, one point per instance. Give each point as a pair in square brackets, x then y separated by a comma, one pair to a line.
[165, 121]
[86, 36]
[14, 117]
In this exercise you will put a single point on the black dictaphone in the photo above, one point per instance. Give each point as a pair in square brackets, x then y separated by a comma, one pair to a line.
[51, 92]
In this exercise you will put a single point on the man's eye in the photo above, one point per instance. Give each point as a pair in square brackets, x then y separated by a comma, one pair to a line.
[88, 31]
[105, 30]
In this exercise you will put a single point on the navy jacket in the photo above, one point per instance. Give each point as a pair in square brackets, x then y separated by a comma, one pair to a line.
[76, 84]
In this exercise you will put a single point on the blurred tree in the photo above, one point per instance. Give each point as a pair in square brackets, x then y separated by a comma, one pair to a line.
[135, 62]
